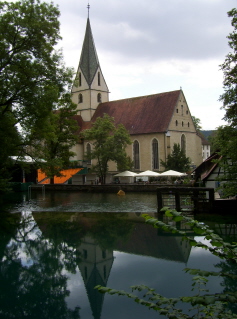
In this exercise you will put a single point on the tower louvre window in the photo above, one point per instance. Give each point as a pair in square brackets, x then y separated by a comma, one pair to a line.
[79, 79]
[80, 98]
[99, 97]
[99, 78]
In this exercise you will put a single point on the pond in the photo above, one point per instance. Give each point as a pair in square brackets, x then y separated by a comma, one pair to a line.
[56, 247]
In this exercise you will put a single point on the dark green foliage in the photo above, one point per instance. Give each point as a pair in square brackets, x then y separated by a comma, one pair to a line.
[225, 143]
[32, 74]
[177, 160]
[58, 136]
[109, 144]
[226, 137]
[229, 68]
[197, 123]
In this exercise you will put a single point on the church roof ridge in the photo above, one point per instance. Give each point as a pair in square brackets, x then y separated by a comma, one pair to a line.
[143, 96]
[141, 115]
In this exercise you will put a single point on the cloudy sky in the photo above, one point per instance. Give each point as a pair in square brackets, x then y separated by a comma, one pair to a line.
[153, 46]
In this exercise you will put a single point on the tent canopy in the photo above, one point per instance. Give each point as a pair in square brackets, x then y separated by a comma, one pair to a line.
[148, 173]
[126, 174]
[172, 173]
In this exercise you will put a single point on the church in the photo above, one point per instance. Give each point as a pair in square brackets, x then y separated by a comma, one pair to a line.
[155, 122]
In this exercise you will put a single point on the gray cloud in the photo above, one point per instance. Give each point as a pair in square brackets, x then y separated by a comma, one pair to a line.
[165, 29]
[154, 46]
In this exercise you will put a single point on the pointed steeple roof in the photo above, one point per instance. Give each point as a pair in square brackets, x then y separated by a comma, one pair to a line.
[89, 62]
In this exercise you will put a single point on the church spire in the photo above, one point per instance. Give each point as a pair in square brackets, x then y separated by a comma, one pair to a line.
[90, 88]
[89, 61]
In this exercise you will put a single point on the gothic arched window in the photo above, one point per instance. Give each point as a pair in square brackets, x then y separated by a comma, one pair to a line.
[80, 98]
[136, 155]
[88, 152]
[99, 97]
[183, 143]
[155, 154]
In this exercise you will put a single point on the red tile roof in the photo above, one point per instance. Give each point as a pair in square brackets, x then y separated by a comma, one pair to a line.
[141, 115]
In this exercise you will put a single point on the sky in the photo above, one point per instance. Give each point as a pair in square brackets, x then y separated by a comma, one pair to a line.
[154, 46]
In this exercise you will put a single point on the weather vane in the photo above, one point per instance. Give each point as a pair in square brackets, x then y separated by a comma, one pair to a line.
[88, 7]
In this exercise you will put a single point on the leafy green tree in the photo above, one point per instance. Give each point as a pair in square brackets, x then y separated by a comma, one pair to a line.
[225, 140]
[109, 144]
[9, 145]
[225, 144]
[60, 135]
[125, 165]
[229, 68]
[197, 123]
[177, 160]
[32, 74]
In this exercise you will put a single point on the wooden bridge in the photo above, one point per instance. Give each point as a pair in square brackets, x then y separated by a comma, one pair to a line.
[193, 199]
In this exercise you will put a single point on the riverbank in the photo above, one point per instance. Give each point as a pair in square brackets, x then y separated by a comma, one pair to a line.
[219, 205]
[107, 188]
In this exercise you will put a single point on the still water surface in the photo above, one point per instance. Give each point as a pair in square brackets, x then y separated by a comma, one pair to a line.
[56, 247]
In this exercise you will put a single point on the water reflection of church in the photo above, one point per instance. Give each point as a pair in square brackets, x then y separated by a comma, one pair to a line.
[59, 243]
[95, 269]
[97, 261]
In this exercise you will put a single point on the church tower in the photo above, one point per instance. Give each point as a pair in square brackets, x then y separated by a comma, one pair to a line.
[89, 88]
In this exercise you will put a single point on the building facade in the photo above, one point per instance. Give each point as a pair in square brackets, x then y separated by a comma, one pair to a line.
[155, 122]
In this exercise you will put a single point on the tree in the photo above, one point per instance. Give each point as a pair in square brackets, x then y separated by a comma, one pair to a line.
[226, 137]
[57, 139]
[225, 144]
[109, 143]
[197, 123]
[229, 68]
[125, 165]
[177, 160]
[32, 73]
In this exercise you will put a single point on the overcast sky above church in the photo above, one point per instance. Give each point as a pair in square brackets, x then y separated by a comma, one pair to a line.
[153, 46]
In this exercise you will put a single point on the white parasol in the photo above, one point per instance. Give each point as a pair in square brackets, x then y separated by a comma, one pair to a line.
[126, 174]
[148, 173]
[172, 173]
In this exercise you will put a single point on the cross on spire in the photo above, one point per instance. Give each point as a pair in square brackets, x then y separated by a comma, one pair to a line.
[88, 7]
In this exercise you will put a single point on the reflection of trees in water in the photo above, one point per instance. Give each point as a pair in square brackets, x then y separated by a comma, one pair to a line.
[32, 279]
[229, 284]
[110, 228]
[36, 256]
